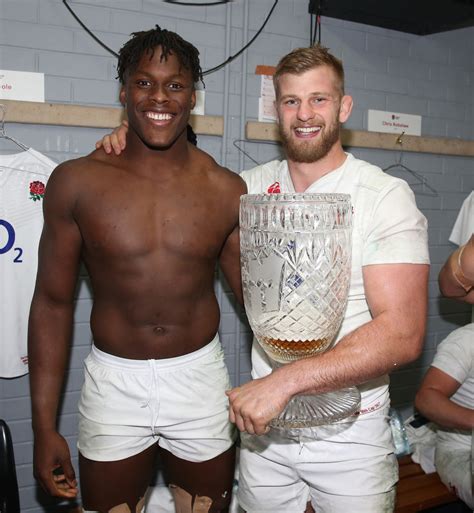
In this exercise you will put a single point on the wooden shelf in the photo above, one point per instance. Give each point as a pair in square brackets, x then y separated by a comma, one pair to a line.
[64, 114]
[360, 139]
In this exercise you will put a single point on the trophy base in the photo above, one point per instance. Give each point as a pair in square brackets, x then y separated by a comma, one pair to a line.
[305, 411]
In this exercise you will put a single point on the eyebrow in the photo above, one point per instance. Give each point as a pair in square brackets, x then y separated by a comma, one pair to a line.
[138, 71]
[315, 93]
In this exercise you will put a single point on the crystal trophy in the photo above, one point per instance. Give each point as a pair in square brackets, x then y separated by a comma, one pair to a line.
[296, 262]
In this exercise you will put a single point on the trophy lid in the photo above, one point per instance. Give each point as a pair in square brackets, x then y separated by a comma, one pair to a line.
[296, 211]
[294, 197]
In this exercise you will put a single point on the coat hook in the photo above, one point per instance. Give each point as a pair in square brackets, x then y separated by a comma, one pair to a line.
[399, 138]
[3, 113]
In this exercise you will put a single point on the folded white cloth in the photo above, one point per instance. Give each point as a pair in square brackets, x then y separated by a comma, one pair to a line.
[422, 441]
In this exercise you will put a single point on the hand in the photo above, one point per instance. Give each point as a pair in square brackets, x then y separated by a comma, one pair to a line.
[52, 465]
[253, 405]
[115, 141]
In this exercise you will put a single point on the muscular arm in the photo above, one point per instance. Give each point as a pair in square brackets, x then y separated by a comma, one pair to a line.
[230, 264]
[49, 332]
[229, 259]
[397, 297]
[433, 401]
[456, 278]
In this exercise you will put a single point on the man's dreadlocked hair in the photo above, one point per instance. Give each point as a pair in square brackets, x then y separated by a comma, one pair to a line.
[146, 42]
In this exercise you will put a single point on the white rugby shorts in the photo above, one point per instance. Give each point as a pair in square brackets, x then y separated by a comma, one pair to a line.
[128, 405]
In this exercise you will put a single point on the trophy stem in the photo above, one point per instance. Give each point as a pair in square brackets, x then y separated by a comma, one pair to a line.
[305, 411]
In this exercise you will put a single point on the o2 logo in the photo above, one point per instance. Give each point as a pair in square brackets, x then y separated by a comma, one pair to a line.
[10, 242]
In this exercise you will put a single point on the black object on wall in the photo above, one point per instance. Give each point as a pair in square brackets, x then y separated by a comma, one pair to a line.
[9, 499]
[419, 17]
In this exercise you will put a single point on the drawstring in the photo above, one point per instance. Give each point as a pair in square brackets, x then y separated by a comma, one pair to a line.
[152, 401]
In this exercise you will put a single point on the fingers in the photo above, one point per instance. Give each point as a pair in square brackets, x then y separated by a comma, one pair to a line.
[63, 488]
[117, 144]
[252, 423]
[115, 141]
[69, 474]
[105, 144]
[118, 138]
[57, 485]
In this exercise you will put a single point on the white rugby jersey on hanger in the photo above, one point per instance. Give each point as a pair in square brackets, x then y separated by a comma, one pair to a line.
[23, 178]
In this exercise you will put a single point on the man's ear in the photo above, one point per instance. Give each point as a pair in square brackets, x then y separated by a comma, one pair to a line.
[345, 108]
[193, 99]
[123, 96]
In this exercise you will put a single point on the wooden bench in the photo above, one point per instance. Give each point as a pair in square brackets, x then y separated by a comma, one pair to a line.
[417, 491]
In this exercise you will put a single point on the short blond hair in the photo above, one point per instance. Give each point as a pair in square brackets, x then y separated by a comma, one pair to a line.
[301, 60]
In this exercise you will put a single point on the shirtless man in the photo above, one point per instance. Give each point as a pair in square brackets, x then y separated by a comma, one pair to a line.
[149, 225]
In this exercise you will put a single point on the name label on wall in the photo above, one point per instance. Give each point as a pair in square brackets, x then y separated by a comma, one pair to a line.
[21, 85]
[393, 122]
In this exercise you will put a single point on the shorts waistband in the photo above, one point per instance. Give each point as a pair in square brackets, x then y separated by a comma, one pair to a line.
[117, 362]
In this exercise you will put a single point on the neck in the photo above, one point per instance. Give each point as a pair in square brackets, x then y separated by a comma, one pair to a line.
[305, 174]
[148, 160]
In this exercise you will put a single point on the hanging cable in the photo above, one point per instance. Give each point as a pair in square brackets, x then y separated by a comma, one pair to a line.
[318, 22]
[191, 4]
[232, 57]
[88, 31]
[207, 72]
[315, 28]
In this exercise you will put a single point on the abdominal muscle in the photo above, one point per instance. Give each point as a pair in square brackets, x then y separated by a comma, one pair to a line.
[164, 329]
[146, 315]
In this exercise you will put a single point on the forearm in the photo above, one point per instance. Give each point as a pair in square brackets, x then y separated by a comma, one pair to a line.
[440, 409]
[50, 329]
[456, 278]
[373, 350]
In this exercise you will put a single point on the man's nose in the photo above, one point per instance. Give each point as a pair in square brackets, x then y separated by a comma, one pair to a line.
[159, 93]
[305, 111]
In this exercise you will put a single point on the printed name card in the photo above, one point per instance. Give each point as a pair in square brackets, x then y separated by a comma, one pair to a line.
[21, 85]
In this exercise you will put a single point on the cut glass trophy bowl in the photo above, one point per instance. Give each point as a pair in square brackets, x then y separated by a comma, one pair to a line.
[296, 262]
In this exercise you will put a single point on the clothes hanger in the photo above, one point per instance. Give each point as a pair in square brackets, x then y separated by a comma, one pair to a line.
[37, 173]
[254, 142]
[3, 134]
[421, 179]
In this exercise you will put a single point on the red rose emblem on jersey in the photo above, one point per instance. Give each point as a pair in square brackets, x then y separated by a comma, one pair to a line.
[274, 188]
[37, 189]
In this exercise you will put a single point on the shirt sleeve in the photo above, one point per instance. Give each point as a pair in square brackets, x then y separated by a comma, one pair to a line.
[453, 356]
[464, 225]
[396, 231]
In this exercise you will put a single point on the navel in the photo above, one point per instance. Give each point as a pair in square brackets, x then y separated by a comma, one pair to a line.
[159, 330]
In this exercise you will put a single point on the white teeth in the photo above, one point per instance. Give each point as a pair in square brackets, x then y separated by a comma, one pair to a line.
[308, 130]
[158, 116]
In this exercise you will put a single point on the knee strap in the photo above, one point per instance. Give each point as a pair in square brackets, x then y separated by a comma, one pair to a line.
[184, 501]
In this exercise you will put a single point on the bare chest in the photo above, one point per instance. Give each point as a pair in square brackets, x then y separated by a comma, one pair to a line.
[131, 220]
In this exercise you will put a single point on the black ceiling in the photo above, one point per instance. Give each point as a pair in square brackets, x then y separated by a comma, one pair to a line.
[413, 16]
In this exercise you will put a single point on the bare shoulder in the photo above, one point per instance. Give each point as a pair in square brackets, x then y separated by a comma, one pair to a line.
[225, 180]
[72, 177]
[79, 169]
